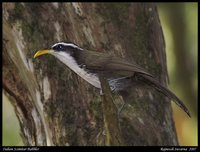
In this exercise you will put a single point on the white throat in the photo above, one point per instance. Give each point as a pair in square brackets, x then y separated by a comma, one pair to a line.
[72, 64]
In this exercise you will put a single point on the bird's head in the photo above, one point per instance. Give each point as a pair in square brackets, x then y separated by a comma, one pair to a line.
[70, 54]
[60, 49]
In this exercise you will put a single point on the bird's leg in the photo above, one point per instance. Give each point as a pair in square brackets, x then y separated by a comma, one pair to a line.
[117, 85]
[121, 108]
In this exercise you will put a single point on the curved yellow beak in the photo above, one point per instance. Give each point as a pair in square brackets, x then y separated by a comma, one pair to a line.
[42, 52]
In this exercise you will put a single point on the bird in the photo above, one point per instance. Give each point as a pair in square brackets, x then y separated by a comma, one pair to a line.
[120, 73]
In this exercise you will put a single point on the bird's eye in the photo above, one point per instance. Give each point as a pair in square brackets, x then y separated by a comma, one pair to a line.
[58, 47]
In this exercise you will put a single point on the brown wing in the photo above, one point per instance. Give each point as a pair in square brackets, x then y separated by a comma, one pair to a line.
[107, 63]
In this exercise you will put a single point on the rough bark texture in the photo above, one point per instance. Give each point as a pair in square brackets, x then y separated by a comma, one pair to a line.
[54, 105]
[111, 122]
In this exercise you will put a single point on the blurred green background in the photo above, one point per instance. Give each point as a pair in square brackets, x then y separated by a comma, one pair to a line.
[179, 23]
[11, 128]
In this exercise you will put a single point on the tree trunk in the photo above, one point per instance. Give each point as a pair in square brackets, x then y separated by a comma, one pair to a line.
[55, 106]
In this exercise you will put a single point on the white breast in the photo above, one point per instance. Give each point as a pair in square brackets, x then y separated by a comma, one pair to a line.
[71, 63]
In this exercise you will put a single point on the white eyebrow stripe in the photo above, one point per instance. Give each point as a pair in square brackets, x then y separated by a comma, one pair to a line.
[67, 44]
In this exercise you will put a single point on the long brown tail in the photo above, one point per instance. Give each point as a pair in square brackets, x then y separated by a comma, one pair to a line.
[158, 86]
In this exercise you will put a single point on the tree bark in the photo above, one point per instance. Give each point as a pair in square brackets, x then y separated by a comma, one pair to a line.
[55, 106]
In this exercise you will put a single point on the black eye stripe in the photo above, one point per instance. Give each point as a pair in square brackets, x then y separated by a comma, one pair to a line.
[66, 45]
[58, 47]
[62, 47]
